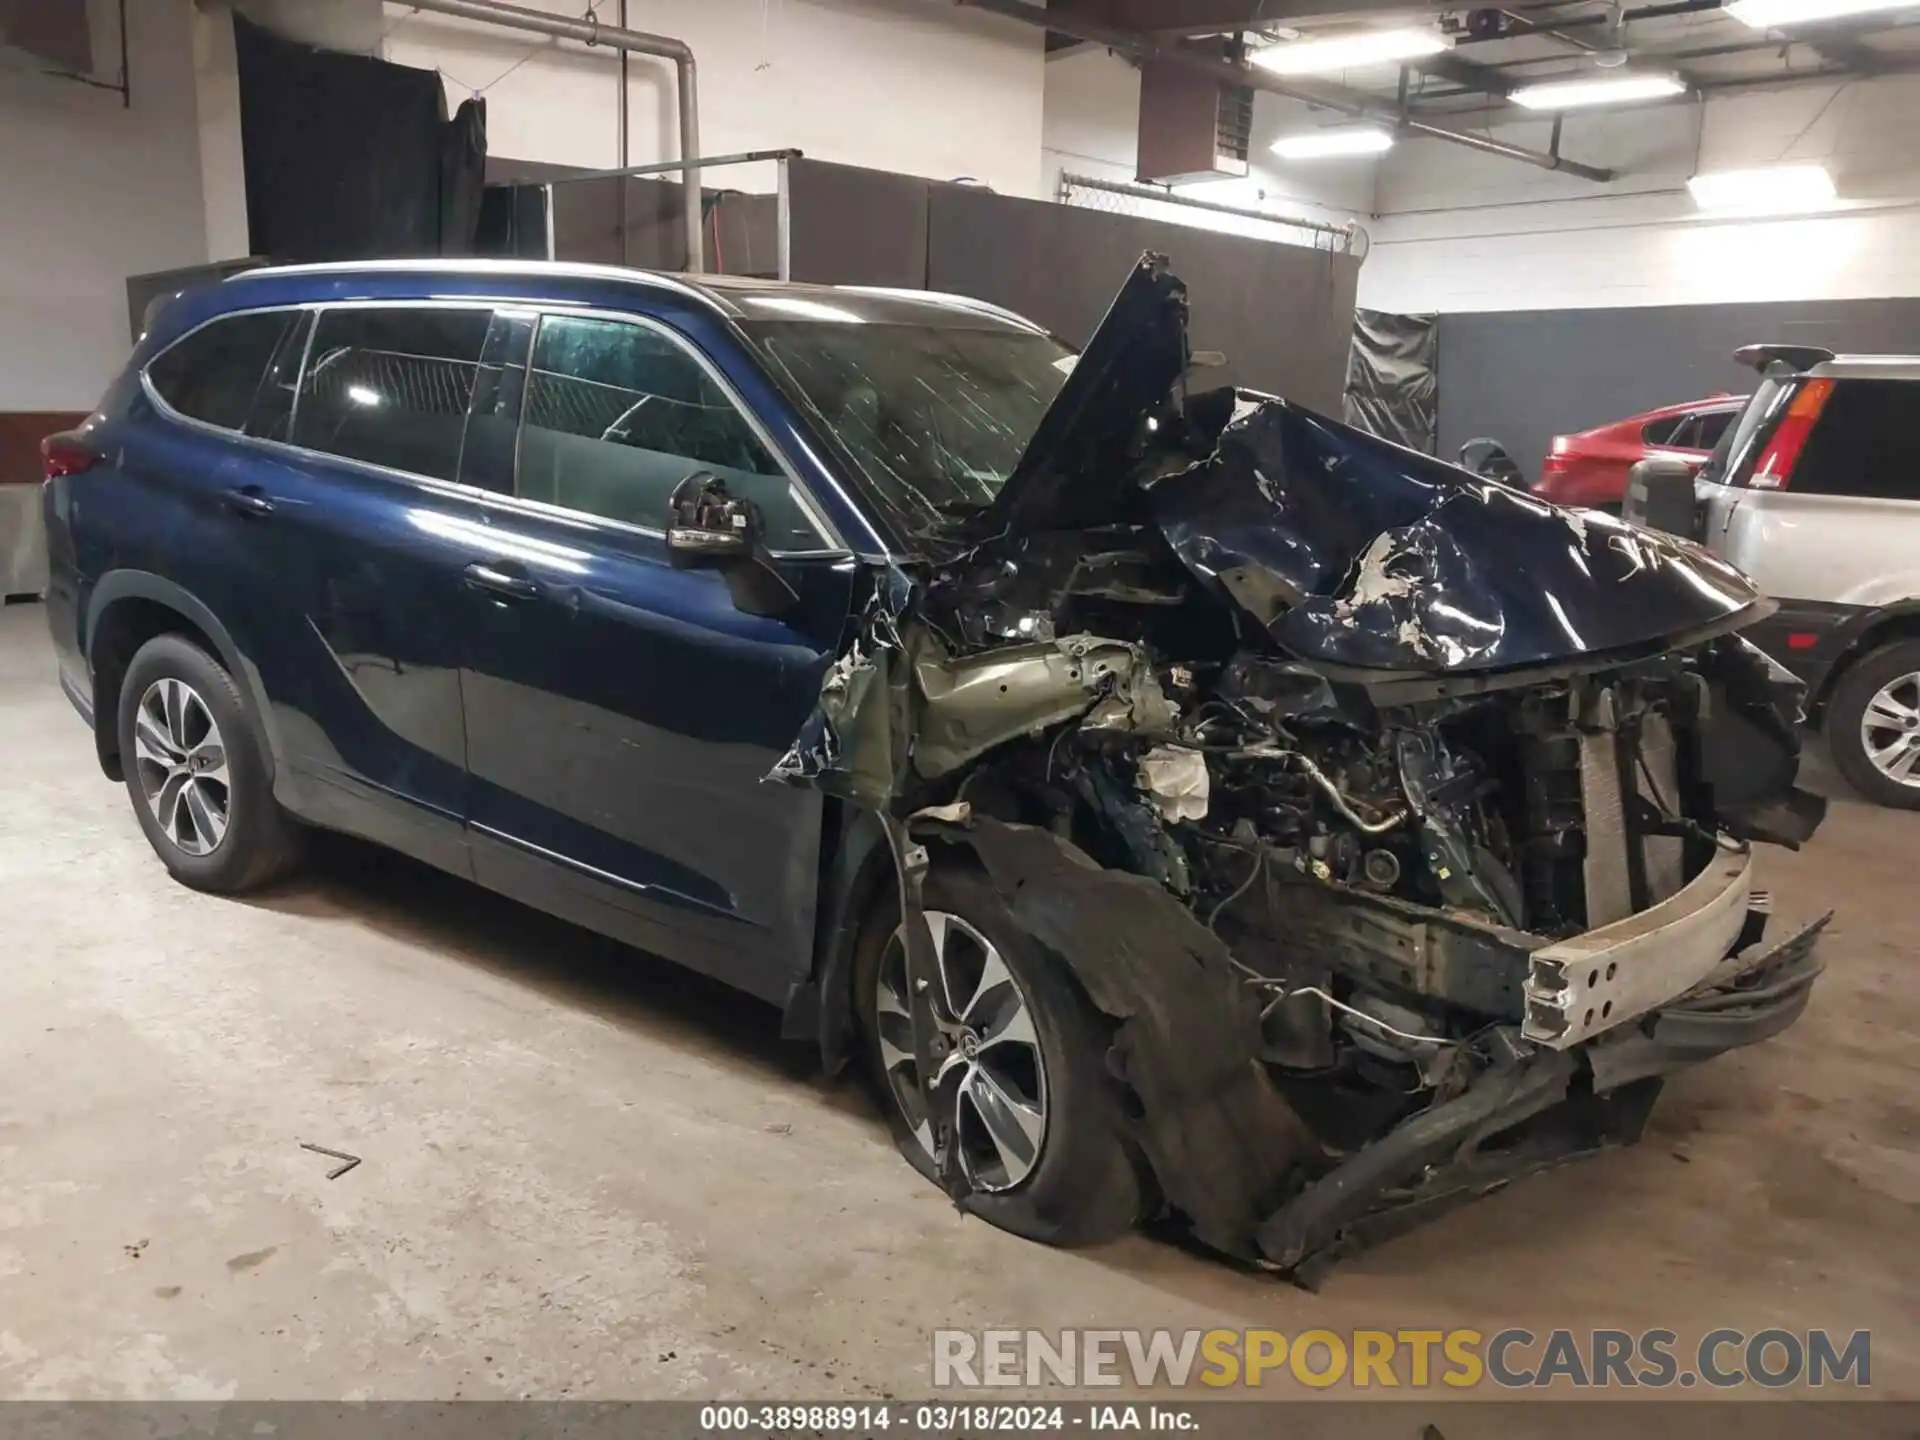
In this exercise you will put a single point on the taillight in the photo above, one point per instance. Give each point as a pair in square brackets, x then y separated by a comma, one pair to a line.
[66, 454]
[1774, 468]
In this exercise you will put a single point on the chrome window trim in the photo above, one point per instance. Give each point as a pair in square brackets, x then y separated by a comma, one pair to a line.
[459, 490]
[809, 508]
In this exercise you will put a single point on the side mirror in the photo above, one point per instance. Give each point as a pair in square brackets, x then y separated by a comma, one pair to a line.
[707, 528]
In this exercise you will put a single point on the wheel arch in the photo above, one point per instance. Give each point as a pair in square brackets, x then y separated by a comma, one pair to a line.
[1865, 634]
[128, 608]
[856, 867]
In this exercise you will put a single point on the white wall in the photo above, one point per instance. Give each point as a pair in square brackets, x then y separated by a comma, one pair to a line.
[1092, 128]
[93, 193]
[1462, 231]
[917, 86]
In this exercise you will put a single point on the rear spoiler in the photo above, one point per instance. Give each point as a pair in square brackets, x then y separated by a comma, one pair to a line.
[1800, 357]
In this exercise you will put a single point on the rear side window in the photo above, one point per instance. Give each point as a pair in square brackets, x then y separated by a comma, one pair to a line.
[618, 414]
[213, 374]
[1708, 428]
[391, 386]
[1867, 443]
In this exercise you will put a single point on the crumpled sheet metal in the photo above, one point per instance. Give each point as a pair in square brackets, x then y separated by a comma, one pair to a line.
[896, 702]
[967, 706]
[1355, 552]
[1222, 1143]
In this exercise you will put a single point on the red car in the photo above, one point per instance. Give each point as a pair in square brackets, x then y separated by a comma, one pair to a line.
[1590, 468]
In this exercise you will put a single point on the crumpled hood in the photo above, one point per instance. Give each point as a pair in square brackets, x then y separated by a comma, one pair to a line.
[1351, 550]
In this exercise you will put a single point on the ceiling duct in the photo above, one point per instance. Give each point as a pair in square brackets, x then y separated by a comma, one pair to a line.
[1193, 126]
[55, 31]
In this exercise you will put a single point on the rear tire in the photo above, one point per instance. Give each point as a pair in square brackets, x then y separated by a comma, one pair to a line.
[1873, 725]
[196, 771]
[1080, 1186]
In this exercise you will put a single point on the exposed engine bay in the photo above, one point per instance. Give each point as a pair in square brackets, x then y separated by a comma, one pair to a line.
[1400, 822]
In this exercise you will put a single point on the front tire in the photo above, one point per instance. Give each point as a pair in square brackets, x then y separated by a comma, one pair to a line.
[1037, 1118]
[195, 769]
[1873, 725]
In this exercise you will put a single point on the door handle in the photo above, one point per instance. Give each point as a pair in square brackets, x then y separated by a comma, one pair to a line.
[250, 500]
[499, 581]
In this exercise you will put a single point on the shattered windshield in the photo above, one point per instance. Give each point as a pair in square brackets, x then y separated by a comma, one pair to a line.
[935, 415]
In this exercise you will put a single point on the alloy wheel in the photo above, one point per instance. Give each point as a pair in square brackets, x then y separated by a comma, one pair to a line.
[1890, 729]
[182, 765]
[986, 1028]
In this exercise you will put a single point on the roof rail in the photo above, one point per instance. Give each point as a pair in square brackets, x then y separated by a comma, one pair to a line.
[1800, 357]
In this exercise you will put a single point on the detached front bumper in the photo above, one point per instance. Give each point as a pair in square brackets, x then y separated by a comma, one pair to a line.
[1544, 1106]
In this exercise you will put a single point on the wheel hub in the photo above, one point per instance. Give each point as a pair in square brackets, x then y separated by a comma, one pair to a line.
[180, 762]
[1890, 729]
[995, 1106]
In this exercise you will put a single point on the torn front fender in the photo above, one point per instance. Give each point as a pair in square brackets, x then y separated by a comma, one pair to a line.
[1221, 1141]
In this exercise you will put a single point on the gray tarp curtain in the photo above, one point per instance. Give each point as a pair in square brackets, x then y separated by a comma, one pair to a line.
[1392, 386]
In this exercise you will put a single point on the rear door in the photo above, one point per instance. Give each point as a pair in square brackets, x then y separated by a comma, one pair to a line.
[182, 450]
[1840, 523]
[357, 515]
[621, 714]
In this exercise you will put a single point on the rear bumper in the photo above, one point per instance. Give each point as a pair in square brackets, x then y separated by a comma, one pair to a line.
[1595, 487]
[1537, 1109]
[1808, 637]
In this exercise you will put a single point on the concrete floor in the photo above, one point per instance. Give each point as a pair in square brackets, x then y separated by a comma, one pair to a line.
[588, 1174]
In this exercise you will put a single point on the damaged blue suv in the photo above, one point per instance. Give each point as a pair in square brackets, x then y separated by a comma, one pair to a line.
[1186, 805]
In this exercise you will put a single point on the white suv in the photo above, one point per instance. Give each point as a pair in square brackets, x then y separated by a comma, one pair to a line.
[1815, 493]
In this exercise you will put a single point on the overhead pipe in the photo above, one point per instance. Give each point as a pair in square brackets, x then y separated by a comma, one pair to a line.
[1361, 107]
[628, 42]
[623, 154]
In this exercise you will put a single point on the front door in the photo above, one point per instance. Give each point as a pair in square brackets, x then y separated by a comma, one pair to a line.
[621, 715]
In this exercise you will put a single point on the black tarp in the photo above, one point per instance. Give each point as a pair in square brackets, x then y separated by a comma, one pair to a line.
[349, 157]
[1392, 380]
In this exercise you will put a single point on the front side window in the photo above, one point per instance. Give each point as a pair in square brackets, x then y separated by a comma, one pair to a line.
[935, 416]
[617, 414]
[214, 374]
[390, 386]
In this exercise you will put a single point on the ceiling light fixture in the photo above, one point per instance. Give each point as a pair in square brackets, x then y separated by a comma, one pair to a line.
[1598, 90]
[1766, 14]
[1774, 189]
[1348, 52]
[1320, 144]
